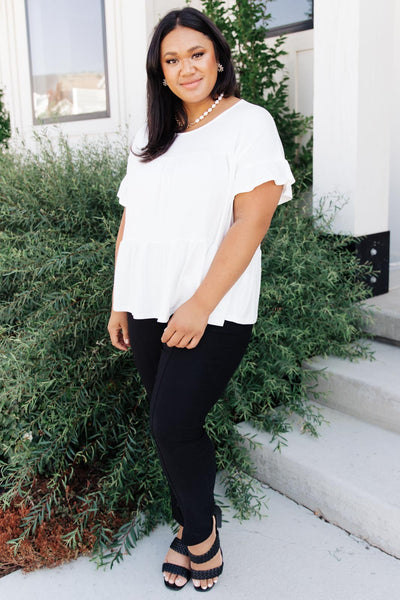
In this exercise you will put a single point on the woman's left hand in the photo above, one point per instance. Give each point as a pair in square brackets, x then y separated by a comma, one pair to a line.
[186, 326]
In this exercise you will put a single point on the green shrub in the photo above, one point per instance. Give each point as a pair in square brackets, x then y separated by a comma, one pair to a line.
[71, 403]
[5, 127]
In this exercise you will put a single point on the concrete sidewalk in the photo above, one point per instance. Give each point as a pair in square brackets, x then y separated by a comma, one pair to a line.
[290, 555]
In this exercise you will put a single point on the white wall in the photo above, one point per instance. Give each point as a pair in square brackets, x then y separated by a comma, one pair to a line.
[394, 194]
[299, 66]
[161, 7]
[131, 36]
[353, 87]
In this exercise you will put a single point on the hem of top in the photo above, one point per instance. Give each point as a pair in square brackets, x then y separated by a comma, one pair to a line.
[216, 322]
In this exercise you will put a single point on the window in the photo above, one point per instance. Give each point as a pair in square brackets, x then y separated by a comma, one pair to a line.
[288, 16]
[67, 52]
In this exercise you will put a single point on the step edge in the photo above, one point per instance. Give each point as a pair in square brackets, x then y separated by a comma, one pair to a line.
[327, 373]
[292, 454]
[381, 533]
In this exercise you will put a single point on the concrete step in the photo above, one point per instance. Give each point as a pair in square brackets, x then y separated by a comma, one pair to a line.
[350, 475]
[369, 390]
[386, 312]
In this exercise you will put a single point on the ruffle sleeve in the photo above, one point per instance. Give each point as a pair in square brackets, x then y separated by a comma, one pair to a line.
[260, 156]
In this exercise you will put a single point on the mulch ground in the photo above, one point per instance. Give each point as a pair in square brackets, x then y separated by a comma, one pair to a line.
[46, 547]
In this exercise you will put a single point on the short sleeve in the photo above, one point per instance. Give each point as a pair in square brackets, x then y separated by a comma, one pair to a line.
[139, 141]
[260, 156]
[122, 191]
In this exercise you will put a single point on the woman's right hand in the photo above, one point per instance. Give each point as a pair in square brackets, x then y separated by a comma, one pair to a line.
[118, 330]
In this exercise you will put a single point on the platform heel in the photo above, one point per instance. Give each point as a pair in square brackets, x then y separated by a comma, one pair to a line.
[218, 515]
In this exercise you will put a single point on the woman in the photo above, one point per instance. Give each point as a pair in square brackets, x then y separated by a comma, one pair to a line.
[204, 177]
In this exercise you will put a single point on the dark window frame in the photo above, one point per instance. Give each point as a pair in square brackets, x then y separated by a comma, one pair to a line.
[104, 114]
[292, 27]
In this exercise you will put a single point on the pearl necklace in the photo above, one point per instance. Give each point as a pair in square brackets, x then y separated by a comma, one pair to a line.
[207, 112]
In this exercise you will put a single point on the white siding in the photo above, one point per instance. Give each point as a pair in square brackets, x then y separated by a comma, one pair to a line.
[394, 196]
[299, 65]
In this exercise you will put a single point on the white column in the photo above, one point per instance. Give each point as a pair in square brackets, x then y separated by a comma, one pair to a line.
[132, 35]
[353, 82]
[394, 203]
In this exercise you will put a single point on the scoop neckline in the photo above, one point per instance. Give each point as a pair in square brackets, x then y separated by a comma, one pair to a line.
[214, 119]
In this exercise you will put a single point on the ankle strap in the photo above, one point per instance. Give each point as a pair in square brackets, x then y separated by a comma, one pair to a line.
[179, 546]
[202, 558]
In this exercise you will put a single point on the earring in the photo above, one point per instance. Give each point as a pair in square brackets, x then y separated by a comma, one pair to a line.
[164, 82]
[220, 68]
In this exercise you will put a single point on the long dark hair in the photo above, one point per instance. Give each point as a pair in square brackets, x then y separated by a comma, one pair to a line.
[163, 107]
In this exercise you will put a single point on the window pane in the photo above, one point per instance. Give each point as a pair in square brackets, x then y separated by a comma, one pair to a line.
[67, 55]
[286, 12]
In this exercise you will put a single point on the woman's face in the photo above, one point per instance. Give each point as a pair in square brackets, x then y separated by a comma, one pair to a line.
[189, 64]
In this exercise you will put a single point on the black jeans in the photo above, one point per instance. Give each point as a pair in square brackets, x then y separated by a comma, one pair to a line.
[183, 385]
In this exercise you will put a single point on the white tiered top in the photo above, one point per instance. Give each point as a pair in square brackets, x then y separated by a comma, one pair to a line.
[180, 206]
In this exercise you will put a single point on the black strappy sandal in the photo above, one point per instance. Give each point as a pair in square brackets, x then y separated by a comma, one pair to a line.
[180, 547]
[202, 558]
